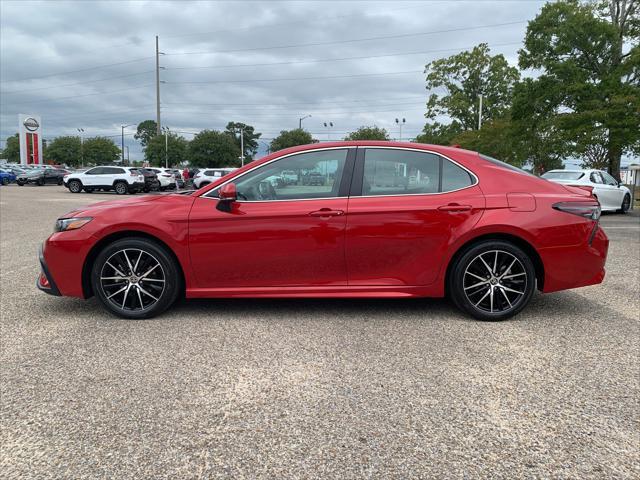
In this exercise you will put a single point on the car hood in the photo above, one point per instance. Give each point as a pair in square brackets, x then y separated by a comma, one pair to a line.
[148, 201]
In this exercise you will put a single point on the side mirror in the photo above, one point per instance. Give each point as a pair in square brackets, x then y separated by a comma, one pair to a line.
[228, 193]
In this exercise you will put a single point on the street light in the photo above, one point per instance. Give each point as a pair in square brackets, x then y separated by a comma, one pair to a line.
[122, 140]
[166, 146]
[328, 126]
[81, 132]
[301, 119]
[400, 124]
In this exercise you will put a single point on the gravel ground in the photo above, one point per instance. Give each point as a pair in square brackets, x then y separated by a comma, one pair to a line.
[314, 388]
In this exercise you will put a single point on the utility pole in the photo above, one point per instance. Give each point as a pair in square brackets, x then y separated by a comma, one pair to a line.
[81, 132]
[166, 146]
[157, 87]
[480, 113]
[128, 159]
[242, 146]
[122, 127]
[400, 124]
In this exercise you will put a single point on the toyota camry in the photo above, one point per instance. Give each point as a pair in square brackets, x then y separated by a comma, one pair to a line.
[380, 219]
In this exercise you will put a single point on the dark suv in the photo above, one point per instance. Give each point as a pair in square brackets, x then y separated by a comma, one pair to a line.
[151, 181]
[42, 176]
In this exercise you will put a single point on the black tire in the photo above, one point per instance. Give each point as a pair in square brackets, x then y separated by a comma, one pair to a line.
[88, 190]
[5, 181]
[146, 189]
[20, 184]
[74, 186]
[121, 188]
[60, 182]
[40, 182]
[626, 204]
[499, 298]
[167, 291]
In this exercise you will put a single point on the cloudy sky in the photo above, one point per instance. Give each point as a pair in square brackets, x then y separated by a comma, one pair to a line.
[91, 64]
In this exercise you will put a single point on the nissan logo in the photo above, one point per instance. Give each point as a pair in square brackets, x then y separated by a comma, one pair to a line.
[31, 124]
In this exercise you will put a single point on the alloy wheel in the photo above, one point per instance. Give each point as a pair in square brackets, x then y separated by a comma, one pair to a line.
[132, 279]
[495, 281]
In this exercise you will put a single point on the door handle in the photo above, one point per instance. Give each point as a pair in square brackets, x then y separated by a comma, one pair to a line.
[454, 207]
[326, 212]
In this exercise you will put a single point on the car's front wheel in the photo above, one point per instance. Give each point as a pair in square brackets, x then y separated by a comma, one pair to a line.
[135, 278]
[75, 186]
[5, 181]
[492, 280]
[626, 204]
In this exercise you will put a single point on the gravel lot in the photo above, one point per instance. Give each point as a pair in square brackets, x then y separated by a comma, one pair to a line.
[308, 389]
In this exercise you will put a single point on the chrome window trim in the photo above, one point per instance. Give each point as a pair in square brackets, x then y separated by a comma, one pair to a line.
[205, 195]
[411, 149]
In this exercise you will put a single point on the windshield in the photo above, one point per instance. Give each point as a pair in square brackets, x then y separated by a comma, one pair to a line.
[563, 175]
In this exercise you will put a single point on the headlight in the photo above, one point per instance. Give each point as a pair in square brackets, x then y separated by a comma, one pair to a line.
[64, 224]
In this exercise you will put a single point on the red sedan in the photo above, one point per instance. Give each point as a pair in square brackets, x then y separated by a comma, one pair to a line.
[380, 219]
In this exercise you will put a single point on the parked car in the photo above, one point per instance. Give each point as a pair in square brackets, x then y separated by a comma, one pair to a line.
[151, 181]
[290, 177]
[166, 177]
[122, 180]
[210, 175]
[6, 176]
[612, 195]
[313, 178]
[485, 233]
[178, 175]
[41, 176]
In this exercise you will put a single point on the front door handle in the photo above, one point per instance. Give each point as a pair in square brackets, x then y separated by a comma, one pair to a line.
[326, 212]
[454, 207]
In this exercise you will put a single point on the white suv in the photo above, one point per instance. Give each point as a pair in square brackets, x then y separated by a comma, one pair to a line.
[166, 177]
[120, 179]
[210, 175]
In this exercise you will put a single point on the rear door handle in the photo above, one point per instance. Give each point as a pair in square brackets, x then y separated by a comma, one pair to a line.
[454, 207]
[326, 212]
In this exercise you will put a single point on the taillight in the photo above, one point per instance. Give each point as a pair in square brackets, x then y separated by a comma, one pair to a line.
[133, 174]
[588, 210]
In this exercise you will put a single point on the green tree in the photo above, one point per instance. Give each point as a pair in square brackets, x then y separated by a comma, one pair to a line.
[100, 151]
[210, 148]
[368, 133]
[250, 138]
[176, 151]
[146, 131]
[463, 78]
[495, 139]
[439, 134]
[11, 150]
[64, 150]
[589, 58]
[291, 138]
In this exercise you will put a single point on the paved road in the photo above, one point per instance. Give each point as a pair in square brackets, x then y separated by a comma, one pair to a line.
[308, 389]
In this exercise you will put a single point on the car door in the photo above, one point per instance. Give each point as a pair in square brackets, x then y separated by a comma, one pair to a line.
[275, 234]
[92, 177]
[613, 191]
[405, 208]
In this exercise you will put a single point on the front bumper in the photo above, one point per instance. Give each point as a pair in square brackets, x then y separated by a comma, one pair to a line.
[45, 281]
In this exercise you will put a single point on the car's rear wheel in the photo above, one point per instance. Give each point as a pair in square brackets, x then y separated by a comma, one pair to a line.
[59, 182]
[5, 181]
[135, 278]
[121, 188]
[40, 182]
[626, 204]
[20, 184]
[492, 280]
[75, 186]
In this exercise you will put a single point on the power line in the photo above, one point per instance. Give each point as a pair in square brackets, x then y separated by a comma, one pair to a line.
[293, 113]
[336, 42]
[78, 83]
[296, 78]
[362, 57]
[289, 103]
[79, 96]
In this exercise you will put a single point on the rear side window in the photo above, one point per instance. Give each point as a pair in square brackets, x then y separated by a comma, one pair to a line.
[504, 164]
[112, 170]
[407, 172]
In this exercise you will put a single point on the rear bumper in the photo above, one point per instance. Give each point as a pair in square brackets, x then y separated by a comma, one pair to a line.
[576, 265]
[45, 281]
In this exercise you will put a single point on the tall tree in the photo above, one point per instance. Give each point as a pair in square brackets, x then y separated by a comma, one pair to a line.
[64, 150]
[146, 131]
[210, 148]
[495, 139]
[589, 56]
[100, 151]
[439, 134]
[368, 133]
[11, 150]
[291, 138]
[173, 150]
[250, 138]
[463, 78]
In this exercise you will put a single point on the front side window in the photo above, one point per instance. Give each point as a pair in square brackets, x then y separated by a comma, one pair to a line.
[94, 171]
[407, 172]
[318, 176]
[608, 179]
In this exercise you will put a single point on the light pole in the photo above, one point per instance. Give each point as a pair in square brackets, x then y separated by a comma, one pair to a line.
[301, 119]
[122, 127]
[81, 132]
[328, 126]
[400, 124]
[166, 146]
[128, 161]
[480, 112]
[242, 146]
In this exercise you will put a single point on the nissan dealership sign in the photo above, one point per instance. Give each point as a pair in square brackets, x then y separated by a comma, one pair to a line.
[30, 128]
